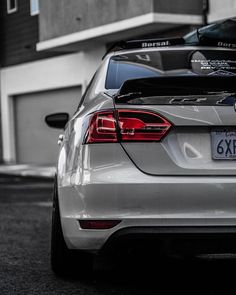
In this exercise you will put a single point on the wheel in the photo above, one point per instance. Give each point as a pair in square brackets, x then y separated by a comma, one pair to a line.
[63, 260]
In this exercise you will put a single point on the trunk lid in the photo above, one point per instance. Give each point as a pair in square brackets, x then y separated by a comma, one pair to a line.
[202, 138]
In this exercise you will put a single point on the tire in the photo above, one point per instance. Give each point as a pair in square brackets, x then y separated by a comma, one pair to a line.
[64, 261]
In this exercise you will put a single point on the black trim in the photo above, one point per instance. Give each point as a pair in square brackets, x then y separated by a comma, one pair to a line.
[199, 239]
[177, 87]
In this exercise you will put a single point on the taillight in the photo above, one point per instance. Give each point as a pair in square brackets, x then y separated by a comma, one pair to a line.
[102, 128]
[133, 125]
[142, 125]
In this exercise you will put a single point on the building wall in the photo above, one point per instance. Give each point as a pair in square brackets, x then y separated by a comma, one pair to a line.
[192, 7]
[72, 70]
[19, 35]
[87, 14]
[220, 9]
[64, 17]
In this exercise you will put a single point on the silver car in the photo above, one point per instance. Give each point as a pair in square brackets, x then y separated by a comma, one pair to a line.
[149, 156]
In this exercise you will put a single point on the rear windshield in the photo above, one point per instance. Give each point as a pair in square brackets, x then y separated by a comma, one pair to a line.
[170, 63]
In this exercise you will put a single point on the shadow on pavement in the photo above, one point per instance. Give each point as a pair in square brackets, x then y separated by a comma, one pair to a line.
[147, 274]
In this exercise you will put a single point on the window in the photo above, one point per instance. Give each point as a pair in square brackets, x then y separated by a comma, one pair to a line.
[158, 62]
[11, 6]
[34, 7]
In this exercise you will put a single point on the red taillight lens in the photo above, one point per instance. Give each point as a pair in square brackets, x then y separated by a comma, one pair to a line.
[142, 125]
[134, 125]
[102, 128]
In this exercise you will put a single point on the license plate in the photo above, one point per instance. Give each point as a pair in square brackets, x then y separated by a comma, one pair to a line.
[224, 144]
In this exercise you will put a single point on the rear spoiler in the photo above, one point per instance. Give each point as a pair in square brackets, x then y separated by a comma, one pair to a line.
[175, 87]
[220, 34]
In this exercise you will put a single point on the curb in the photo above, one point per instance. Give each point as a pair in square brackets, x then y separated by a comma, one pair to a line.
[27, 171]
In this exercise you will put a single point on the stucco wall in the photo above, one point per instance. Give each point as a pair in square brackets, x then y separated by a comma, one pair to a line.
[58, 18]
[50, 74]
[220, 9]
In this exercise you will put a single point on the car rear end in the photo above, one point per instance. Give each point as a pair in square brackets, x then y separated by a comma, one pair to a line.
[159, 163]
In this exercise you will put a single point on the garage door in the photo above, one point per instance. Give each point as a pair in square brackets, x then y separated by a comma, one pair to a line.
[36, 143]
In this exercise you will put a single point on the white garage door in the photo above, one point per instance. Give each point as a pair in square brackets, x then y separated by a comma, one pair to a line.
[36, 143]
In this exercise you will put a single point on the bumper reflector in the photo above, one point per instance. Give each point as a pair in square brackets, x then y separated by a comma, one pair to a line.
[98, 224]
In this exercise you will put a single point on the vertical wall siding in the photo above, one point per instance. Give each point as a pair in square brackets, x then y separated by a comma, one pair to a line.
[18, 35]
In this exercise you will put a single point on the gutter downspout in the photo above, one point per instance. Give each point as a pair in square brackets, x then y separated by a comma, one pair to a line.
[205, 11]
[1, 143]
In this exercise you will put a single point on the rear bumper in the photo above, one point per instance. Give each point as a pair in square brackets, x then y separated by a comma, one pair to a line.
[169, 202]
[172, 240]
[118, 190]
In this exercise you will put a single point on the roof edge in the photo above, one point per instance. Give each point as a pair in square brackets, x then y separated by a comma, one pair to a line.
[115, 27]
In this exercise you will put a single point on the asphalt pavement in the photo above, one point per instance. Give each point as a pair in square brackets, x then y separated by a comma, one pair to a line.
[25, 214]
